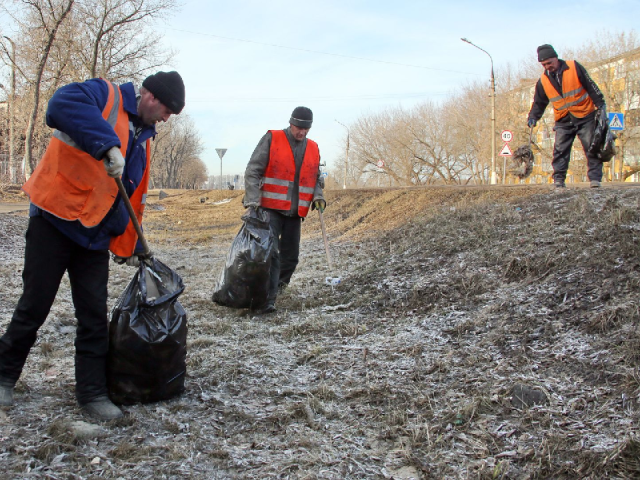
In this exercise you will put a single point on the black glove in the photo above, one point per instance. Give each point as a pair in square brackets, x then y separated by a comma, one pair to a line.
[319, 204]
[531, 123]
[602, 111]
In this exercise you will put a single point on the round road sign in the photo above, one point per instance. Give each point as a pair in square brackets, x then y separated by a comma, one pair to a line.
[507, 136]
[380, 164]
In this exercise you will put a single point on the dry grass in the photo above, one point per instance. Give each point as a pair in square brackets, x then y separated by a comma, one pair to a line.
[450, 299]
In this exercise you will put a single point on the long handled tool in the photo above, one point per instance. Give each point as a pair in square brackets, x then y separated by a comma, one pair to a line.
[324, 237]
[152, 290]
[134, 219]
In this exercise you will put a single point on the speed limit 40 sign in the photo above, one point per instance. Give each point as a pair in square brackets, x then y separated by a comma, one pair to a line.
[507, 136]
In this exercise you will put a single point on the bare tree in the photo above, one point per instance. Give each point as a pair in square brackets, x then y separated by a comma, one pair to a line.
[44, 18]
[176, 144]
[119, 33]
[51, 50]
[193, 174]
[379, 138]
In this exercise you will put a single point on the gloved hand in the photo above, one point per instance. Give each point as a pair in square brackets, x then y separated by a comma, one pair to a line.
[602, 111]
[319, 204]
[113, 162]
[531, 123]
[133, 260]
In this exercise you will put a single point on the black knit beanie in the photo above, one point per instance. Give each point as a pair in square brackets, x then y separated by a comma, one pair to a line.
[301, 117]
[167, 87]
[545, 52]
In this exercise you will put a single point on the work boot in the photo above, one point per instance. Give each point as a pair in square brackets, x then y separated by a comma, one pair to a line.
[6, 394]
[594, 184]
[559, 185]
[101, 408]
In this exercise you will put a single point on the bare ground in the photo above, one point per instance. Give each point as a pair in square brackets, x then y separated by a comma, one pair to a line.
[475, 333]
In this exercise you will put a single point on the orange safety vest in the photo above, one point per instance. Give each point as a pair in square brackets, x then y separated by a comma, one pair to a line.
[280, 174]
[574, 97]
[124, 245]
[72, 185]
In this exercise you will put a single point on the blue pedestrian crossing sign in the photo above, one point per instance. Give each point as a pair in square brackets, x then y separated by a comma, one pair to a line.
[616, 121]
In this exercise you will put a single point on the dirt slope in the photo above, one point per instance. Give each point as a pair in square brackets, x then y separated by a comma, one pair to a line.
[475, 333]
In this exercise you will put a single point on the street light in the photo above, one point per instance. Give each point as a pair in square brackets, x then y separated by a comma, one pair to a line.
[494, 178]
[13, 169]
[346, 160]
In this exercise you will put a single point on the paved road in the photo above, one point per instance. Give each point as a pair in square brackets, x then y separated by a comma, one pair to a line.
[10, 207]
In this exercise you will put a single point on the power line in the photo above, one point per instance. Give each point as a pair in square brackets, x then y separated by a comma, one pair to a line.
[325, 98]
[352, 57]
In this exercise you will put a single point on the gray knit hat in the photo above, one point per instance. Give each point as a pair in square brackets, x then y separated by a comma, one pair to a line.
[301, 117]
[545, 52]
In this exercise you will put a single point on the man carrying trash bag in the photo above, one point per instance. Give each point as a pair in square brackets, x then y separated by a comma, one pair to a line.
[576, 101]
[283, 176]
[102, 132]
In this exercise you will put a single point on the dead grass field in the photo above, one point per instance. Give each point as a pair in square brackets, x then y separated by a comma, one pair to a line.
[476, 333]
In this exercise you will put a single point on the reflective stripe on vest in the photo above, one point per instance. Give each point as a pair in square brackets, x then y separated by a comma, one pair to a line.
[574, 98]
[279, 177]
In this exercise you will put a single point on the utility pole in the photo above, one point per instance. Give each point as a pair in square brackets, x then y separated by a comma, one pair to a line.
[13, 168]
[346, 160]
[494, 178]
[221, 152]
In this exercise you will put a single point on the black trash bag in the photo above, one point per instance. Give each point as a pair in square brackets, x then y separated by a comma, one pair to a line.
[148, 338]
[603, 141]
[608, 150]
[244, 282]
[600, 129]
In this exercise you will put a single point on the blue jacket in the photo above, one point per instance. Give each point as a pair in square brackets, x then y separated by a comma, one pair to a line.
[76, 109]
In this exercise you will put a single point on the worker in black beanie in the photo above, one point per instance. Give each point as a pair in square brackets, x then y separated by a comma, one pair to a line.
[284, 177]
[167, 87]
[576, 101]
[545, 52]
[103, 132]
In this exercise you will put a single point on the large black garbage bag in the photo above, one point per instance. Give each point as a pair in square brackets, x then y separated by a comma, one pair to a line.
[608, 150]
[600, 129]
[603, 140]
[245, 279]
[148, 338]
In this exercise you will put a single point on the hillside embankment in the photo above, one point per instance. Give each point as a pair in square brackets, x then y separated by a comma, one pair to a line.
[476, 332]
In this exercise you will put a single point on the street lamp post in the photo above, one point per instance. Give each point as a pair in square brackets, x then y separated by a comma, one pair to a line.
[494, 178]
[346, 160]
[13, 168]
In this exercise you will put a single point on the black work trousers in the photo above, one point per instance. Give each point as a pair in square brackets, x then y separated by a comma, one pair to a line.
[48, 254]
[565, 135]
[286, 232]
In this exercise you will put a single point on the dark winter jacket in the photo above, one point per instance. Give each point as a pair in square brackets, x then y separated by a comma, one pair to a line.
[76, 109]
[540, 99]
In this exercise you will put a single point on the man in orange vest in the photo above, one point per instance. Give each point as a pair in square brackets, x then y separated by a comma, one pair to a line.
[102, 131]
[576, 101]
[283, 176]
